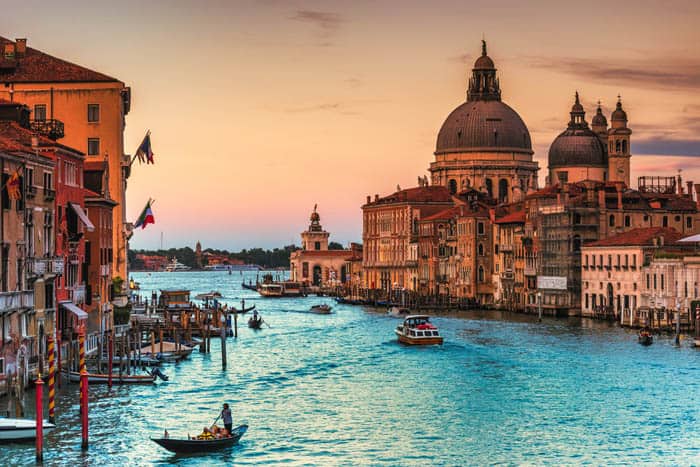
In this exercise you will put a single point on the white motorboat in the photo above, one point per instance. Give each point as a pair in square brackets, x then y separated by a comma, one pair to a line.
[20, 429]
[175, 266]
[418, 330]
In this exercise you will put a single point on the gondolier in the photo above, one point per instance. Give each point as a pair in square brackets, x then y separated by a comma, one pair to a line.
[227, 418]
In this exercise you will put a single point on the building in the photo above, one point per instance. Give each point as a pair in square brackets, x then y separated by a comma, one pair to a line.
[314, 264]
[509, 259]
[612, 272]
[390, 235]
[28, 264]
[99, 248]
[84, 108]
[483, 143]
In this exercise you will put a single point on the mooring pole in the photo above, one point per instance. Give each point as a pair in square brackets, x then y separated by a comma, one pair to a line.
[58, 355]
[81, 353]
[110, 358]
[52, 379]
[223, 347]
[235, 324]
[84, 407]
[39, 419]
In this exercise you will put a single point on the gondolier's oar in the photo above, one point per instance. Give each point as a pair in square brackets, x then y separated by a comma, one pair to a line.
[217, 419]
[265, 323]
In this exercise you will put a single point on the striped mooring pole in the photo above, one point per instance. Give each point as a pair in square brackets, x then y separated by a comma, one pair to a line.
[52, 379]
[81, 355]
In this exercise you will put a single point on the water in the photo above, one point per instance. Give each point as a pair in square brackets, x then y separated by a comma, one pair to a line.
[339, 390]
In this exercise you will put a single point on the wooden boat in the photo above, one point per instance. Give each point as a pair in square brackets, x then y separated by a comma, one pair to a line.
[645, 338]
[96, 378]
[20, 429]
[253, 287]
[186, 446]
[208, 295]
[243, 311]
[144, 360]
[418, 330]
[271, 290]
[255, 323]
[321, 309]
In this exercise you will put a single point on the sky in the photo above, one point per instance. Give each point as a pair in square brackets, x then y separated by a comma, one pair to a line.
[260, 109]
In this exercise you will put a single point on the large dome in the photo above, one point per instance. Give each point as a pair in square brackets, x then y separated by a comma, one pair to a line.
[483, 125]
[577, 147]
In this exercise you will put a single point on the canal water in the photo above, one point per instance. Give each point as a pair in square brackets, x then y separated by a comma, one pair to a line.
[339, 390]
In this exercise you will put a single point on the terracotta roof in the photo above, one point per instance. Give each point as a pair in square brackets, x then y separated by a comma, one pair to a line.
[421, 194]
[640, 237]
[40, 67]
[445, 214]
[347, 253]
[517, 217]
[91, 194]
[14, 137]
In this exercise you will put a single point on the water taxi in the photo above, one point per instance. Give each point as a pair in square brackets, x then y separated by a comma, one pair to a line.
[418, 330]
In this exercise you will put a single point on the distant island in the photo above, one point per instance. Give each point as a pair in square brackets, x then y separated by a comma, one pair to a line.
[198, 258]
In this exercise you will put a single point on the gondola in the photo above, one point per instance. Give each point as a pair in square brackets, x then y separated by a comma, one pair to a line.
[253, 287]
[187, 446]
[243, 311]
[645, 338]
[255, 323]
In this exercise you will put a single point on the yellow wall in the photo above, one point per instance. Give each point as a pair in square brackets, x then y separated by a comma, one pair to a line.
[70, 101]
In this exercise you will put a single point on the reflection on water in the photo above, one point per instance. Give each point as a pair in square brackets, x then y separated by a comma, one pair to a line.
[339, 389]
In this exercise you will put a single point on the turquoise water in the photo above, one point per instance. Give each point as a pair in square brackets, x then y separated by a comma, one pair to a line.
[339, 390]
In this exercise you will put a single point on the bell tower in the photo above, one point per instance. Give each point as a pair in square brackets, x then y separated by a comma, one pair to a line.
[619, 146]
[314, 238]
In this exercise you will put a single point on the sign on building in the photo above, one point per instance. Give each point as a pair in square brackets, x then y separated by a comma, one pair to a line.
[551, 282]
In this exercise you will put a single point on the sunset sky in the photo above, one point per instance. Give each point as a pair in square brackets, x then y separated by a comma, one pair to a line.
[260, 109]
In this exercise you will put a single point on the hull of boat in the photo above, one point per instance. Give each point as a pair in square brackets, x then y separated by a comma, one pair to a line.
[408, 340]
[645, 340]
[93, 378]
[254, 324]
[14, 429]
[189, 446]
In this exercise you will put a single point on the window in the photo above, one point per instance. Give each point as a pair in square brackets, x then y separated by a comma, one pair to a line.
[48, 180]
[453, 186]
[611, 221]
[481, 249]
[664, 222]
[677, 218]
[93, 113]
[93, 146]
[563, 177]
[317, 245]
[40, 112]
[627, 221]
[481, 274]
[634, 262]
[662, 281]
[480, 228]
[689, 222]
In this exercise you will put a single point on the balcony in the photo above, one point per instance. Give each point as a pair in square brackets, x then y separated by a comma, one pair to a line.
[530, 271]
[57, 265]
[506, 248]
[31, 191]
[77, 294]
[49, 194]
[11, 301]
[51, 128]
[41, 266]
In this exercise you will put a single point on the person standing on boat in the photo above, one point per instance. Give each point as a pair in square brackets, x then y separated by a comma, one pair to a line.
[227, 418]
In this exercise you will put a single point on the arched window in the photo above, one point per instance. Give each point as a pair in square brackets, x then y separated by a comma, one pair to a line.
[503, 190]
[624, 146]
[481, 249]
[481, 274]
[617, 146]
[489, 187]
[453, 186]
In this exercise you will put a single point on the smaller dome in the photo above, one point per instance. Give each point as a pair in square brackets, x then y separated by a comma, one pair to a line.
[577, 107]
[619, 114]
[599, 119]
[484, 62]
[577, 147]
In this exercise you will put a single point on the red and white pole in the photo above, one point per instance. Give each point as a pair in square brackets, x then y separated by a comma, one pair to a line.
[39, 420]
[52, 380]
[58, 355]
[84, 406]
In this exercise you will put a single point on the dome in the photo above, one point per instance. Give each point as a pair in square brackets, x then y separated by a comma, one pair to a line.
[619, 114]
[483, 63]
[599, 119]
[483, 125]
[577, 147]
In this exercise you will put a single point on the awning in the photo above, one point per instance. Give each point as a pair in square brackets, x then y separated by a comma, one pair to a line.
[83, 217]
[692, 238]
[75, 309]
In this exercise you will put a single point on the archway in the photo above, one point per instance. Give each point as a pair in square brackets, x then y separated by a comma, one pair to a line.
[318, 276]
[489, 187]
[452, 185]
[502, 190]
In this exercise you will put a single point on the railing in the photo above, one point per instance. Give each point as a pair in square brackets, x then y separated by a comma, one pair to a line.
[31, 191]
[506, 247]
[16, 300]
[78, 294]
[49, 194]
[530, 271]
[57, 265]
[50, 128]
[104, 270]
[39, 266]
[121, 329]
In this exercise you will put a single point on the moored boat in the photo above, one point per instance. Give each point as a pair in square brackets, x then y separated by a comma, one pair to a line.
[418, 330]
[250, 286]
[254, 323]
[20, 429]
[185, 446]
[321, 309]
[271, 290]
[98, 378]
[397, 312]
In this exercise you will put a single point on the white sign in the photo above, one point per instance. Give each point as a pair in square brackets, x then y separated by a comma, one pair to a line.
[551, 282]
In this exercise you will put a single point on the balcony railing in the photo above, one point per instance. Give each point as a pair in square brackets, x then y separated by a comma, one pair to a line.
[78, 294]
[31, 191]
[10, 301]
[49, 194]
[530, 271]
[506, 247]
[50, 128]
[39, 266]
[104, 270]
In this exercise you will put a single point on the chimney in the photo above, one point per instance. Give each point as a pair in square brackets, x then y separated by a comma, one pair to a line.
[689, 183]
[619, 196]
[9, 51]
[369, 199]
[697, 194]
[376, 198]
[21, 47]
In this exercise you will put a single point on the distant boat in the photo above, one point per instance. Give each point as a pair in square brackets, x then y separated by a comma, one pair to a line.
[254, 323]
[94, 378]
[321, 309]
[249, 286]
[232, 267]
[397, 312]
[645, 337]
[175, 266]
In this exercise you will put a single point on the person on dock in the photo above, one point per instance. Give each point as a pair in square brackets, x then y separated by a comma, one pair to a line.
[227, 418]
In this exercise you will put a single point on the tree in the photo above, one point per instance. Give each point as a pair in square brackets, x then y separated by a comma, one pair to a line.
[335, 246]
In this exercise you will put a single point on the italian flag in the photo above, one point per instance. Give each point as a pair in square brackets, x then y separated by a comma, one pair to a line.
[146, 216]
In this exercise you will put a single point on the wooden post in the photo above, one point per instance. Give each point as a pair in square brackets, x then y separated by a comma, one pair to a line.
[39, 419]
[223, 347]
[235, 324]
[52, 380]
[160, 334]
[58, 355]
[128, 353]
[153, 344]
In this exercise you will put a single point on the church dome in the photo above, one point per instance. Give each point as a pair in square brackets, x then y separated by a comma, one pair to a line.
[618, 114]
[484, 125]
[577, 146]
[599, 119]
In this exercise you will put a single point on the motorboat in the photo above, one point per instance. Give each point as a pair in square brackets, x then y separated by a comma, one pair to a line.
[271, 290]
[20, 429]
[321, 309]
[95, 378]
[418, 330]
[175, 266]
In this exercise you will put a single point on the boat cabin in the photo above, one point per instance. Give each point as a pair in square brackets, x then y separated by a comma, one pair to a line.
[419, 326]
[174, 299]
